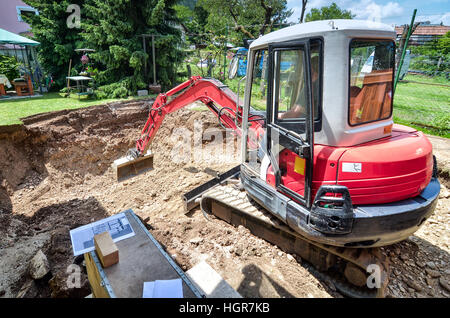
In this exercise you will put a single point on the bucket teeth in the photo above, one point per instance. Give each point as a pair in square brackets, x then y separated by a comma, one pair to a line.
[127, 167]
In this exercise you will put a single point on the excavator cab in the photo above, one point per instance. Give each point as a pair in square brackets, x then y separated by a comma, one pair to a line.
[287, 94]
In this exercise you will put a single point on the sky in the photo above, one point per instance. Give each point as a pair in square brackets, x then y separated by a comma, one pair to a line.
[393, 12]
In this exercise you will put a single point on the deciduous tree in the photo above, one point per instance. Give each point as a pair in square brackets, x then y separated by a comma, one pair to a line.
[246, 18]
[328, 12]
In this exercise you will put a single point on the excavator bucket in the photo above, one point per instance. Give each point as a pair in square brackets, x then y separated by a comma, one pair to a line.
[127, 167]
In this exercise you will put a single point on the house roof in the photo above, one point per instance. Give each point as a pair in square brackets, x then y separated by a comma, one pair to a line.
[7, 37]
[436, 30]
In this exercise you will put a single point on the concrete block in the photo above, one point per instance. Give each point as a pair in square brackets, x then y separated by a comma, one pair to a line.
[210, 282]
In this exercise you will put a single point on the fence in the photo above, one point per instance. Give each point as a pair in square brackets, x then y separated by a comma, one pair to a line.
[422, 96]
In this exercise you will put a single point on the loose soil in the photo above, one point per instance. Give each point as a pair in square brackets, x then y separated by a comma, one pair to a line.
[56, 175]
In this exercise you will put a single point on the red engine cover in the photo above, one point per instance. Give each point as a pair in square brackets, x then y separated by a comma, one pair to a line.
[385, 170]
[391, 169]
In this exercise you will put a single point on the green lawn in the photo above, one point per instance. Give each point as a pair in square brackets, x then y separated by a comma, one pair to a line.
[12, 110]
[423, 106]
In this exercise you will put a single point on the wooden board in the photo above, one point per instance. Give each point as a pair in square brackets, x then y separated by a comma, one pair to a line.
[142, 259]
[97, 282]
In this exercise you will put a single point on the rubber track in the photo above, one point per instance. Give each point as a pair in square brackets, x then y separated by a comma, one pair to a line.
[238, 201]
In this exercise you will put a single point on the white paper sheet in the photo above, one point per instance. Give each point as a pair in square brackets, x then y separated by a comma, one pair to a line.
[148, 289]
[163, 289]
[83, 237]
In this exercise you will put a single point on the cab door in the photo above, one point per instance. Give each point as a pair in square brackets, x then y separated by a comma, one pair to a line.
[290, 120]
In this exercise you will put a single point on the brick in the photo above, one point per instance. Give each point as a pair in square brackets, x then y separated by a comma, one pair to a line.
[106, 249]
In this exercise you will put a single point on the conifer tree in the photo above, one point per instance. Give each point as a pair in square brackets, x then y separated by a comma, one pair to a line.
[57, 41]
[114, 28]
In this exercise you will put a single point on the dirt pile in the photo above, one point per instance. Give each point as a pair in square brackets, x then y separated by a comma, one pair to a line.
[55, 175]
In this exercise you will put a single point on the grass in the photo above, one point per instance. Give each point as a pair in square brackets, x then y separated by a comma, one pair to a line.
[423, 106]
[12, 110]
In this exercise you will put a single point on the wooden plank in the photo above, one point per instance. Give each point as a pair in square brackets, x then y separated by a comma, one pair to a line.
[98, 290]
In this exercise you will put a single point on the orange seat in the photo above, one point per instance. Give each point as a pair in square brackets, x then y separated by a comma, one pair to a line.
[373, 100]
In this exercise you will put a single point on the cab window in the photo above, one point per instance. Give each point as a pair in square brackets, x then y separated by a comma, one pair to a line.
[258, 98]
[290, 82]
[371, 79]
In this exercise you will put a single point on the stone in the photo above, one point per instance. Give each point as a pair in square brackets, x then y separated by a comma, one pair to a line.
[429, 281]
[404, 257]
[444, 194]
[444, 284]
[394, 293]
[355, 275]
[432, 273]
[196, 240]
[238, 251]
[420, 264]
[414, 285]
[39, 266]
[290, 257]
[28, 290]
[431, 265]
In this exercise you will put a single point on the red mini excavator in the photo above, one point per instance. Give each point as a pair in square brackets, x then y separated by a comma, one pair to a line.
[325, 172]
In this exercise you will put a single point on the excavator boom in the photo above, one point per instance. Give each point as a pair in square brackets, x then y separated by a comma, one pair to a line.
[215, 95]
